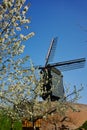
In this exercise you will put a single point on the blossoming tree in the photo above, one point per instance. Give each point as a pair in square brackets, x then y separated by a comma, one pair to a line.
[20, 86]
[14, 79]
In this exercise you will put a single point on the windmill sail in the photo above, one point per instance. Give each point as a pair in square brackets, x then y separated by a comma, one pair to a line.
[70, 65]
[51, 50]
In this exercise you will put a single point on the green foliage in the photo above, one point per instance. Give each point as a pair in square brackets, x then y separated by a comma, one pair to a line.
[83, 126]
[17, 125]
[6, 123]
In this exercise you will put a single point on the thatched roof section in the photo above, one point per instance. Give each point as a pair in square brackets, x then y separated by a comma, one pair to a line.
[72, 119]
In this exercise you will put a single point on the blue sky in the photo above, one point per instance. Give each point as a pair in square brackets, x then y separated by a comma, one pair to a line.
[66, 19]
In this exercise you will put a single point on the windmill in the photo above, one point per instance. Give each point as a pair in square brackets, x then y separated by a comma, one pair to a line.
[52, 73]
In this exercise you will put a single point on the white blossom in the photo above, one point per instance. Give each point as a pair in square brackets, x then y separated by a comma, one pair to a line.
[13, 19]
[26, 27]
[15, 24]
[12, 32]
[12, 1]
[18, 18]
[10, 4]
[30, 35]
[18, 28]
[25, 21]
[14, 9]
[6, 36]
[26, 8]
[21, 49]
[22, 36]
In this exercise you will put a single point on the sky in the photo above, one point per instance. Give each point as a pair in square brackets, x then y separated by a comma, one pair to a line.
[67, 20]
